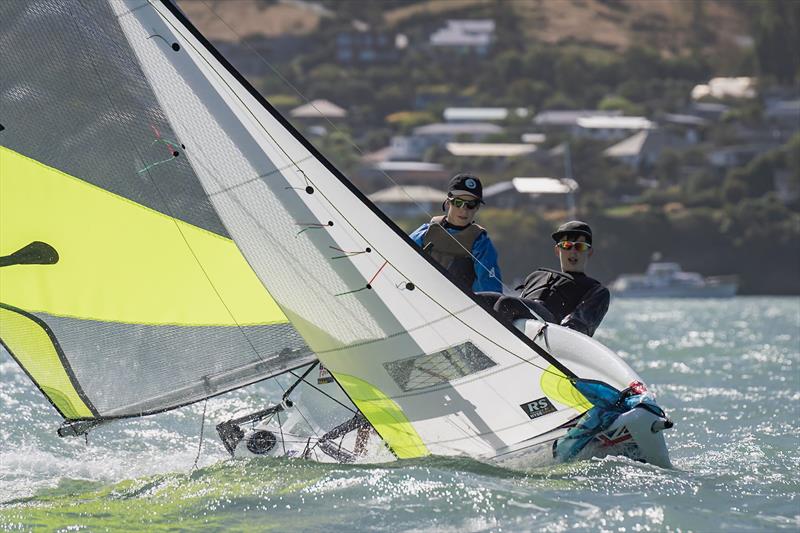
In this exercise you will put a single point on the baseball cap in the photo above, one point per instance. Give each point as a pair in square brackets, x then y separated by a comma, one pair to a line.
[465, 184]
[573, 227]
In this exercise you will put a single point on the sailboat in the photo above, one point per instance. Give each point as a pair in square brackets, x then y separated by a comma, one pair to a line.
[166, 236]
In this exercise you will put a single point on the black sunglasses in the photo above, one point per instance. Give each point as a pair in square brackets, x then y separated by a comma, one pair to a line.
[469, 204]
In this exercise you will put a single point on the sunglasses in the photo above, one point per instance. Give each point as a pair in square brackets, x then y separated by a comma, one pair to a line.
[469, 204]
[578, 246]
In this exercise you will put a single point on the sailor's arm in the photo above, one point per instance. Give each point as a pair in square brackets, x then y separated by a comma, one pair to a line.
[418, 234]
[589, 312]
[487, 271]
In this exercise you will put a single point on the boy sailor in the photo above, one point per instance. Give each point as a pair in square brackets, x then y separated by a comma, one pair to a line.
[457, 243]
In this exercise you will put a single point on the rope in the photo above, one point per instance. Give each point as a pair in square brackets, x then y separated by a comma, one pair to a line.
[202, 427]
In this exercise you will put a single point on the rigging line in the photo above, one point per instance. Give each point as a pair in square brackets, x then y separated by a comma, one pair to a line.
[323, 392]
[288, 391]
[260, 177]
[158, 191]
[346, 136]
[202, 427]
[255, 118]
[535, 348]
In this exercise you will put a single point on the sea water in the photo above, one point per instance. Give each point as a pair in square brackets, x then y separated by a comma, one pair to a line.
[726, 371]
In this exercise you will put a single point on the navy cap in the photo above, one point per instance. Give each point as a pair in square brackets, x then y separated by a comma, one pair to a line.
[462, 184]
[573, 227]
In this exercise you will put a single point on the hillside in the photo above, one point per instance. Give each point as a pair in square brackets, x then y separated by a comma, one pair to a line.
[667, 25]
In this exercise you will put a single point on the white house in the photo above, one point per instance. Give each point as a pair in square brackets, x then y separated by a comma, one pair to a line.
[609, 128]
[409, 201]
[473, 36]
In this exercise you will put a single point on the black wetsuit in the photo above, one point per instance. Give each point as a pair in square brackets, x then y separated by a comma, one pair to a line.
[571, 299]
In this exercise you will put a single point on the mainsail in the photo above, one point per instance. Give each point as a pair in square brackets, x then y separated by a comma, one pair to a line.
[193, 224]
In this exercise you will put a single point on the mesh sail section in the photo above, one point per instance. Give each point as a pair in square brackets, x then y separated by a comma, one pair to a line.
[145, 303]
[135, 376]
[78, 102]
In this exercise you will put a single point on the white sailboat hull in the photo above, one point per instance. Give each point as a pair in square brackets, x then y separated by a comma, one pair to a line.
[636, 434]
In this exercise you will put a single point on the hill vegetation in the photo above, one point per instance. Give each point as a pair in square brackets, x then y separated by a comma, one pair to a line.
[639, 57]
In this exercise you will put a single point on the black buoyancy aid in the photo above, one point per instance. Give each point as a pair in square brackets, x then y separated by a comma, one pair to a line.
[560, 292]
[453, 250]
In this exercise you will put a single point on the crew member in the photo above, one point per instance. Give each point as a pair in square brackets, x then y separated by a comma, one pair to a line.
[568, 296]
[457, 243]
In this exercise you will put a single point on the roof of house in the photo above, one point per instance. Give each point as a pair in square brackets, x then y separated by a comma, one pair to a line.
[534, 138]
[475, 114]
[616, 123]
[408, 194]
[738, 87]
[318, 109]
[544, 185]
[568, 117]
[456, 128]
[497, 188]
[629, 146]
[409, 166]
[489, 149]
[464, 33]
[684, 120]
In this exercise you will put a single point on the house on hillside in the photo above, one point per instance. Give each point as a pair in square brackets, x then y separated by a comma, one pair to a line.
[738, 87]
[610, 128]
[364, 45]
[738, 155]
[533, 194]
[690, 127]
[502, 150]
[783, 113]
[465, 36]
[642, 149]
[481, 114]
[709, 110]
[424, 137]
[318, 109]
[373, 176]
[566, 120]
[409, 201]
[533, 138]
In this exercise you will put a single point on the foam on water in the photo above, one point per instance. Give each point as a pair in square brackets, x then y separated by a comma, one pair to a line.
[725, 370]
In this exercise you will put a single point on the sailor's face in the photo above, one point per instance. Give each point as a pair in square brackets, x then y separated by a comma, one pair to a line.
[459, 212]
[572, 260]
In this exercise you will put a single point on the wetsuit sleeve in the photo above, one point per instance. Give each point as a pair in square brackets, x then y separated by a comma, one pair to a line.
[487, 271]
[419, 234]
[589, 312]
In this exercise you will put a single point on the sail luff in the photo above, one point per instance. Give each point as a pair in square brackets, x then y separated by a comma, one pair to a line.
[319, 157]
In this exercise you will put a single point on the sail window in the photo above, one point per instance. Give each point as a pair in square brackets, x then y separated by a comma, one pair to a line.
[440, 367]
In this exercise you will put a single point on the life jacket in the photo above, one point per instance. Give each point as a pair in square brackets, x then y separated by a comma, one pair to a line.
[560, 292]
[453, 250]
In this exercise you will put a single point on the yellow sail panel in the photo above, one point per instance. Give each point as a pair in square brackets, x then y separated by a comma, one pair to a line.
[35, 351]
[555, 385]
[119, 261]
[385, 416]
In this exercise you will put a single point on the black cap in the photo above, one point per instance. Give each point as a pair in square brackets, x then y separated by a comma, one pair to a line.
[465, 184]
[573, 227]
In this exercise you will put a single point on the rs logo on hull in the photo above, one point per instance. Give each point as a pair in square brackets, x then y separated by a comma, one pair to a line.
[537, 408]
